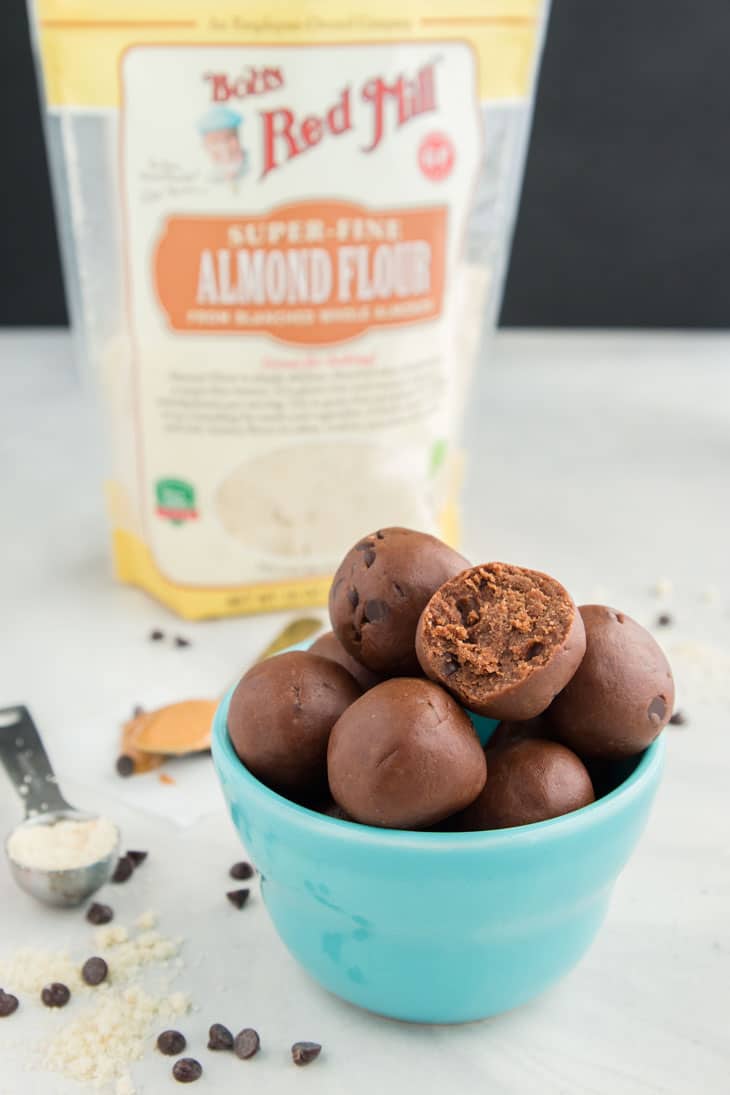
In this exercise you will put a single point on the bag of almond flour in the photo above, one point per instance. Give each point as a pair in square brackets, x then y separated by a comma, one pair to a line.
[288, 230]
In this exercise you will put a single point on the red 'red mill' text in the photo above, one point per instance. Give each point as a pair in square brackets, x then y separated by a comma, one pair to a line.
[286, 135]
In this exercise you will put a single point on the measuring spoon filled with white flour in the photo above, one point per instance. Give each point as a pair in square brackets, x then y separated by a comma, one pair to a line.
[58, 854]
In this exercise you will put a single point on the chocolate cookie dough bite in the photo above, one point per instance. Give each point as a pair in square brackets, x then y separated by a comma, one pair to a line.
[329, 646]
[503, 639]
[280, 718]
[529, 780]
[379, 591]
[621, 696]
[404, 756]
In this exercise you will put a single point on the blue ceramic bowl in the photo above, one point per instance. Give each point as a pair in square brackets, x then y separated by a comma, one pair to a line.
[435, 927]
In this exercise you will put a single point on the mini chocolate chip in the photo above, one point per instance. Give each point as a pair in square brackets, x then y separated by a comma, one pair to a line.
[376, 611]
[450, 666]
[369, 557]
[238, 897]
[241, 871]
[125, 766]
[353, 597]
[187, 1070]
[304, 1052]
[219, 1037]
[8, 1004]
[664, 620]
[678, 719]
[137, 710]
[99, 914]
[55, 995]
[620, 617]
[123, 870]
[181, 642]
[137, 857]
[657, 709]
[380, 534]
[171, 1042]
[156, 636]
[533, 650]
[94, 971]
[246, 1043]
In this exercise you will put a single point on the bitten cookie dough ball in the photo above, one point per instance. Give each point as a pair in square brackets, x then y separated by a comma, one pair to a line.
[504, 640]
[622, 695]
[280, 719]
[530, 780]
[405, 756]
[329, 646]
[379, 591]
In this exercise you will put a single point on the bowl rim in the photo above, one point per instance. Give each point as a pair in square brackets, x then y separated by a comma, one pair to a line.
[643, 778]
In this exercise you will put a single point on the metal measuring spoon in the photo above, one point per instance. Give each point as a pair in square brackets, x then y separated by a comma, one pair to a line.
[26, 762]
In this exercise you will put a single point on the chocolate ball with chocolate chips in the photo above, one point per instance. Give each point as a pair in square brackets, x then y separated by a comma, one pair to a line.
[404, 756]
[329, 646]
[280, 719]
[379, 591]
[622, 694]
[503, 639]
[529, 780]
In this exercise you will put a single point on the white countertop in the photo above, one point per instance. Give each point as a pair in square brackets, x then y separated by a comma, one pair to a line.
[604, 459]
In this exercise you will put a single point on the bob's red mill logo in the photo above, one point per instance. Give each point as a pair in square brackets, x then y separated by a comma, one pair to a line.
[286, 134]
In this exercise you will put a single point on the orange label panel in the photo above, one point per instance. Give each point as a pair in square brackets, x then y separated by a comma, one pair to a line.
[306, 272]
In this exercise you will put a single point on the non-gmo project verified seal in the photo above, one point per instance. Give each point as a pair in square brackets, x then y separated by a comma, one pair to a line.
[176, 500]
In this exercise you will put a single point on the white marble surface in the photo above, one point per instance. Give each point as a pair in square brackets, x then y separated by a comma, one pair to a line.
[604, 459]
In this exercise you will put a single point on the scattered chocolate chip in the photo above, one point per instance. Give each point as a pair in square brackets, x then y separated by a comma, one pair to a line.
[304, 1052]
[99, 914]
[369, 557]
[94, 971]
[534, 649]
[380, 534]
[238, 897]
[137, 857]
[664, 620]
[156, 636]
[180, 641]
[450, 666]
[171, 1042]
[125, 766]
[678, 719]
[55, 995]
[8, 1004]
[137, 710]
[241, 871]
[219, 1037]
[123, 870]
[657, 709]
[375, 611]
[353, 597]
[246, 1043]
[187, 1070]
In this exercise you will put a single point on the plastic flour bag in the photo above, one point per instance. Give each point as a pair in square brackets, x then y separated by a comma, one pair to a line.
[288, 230]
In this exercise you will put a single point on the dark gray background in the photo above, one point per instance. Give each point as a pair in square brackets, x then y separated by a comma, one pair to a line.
[625, 211]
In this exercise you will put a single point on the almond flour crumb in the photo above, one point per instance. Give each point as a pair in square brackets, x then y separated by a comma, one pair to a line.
[110, 935]
[98, 1046]
[662, 588]
[146, 921]
[29, 969]
[111, 1024]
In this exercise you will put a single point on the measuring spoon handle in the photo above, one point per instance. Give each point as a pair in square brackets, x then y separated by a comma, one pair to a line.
[24, 758]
